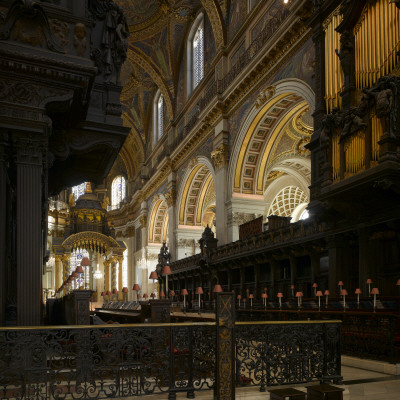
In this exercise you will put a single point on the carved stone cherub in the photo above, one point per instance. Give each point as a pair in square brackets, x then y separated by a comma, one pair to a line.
[80, 39]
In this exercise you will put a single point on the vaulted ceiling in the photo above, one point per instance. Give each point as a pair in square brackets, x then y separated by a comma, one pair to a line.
[158, 31]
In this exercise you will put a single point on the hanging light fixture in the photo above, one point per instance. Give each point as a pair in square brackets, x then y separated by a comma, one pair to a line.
[97, 274]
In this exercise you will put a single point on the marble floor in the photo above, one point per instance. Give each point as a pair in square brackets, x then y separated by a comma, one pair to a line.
[359, 384]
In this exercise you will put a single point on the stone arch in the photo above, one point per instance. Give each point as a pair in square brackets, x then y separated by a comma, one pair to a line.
[158, 221]
[138, 57]
[196, 193]
[214, 14]
[278, 110]
[132, 152]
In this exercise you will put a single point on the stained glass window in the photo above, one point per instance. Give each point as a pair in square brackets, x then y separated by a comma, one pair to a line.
[118, 191]
[198, 55]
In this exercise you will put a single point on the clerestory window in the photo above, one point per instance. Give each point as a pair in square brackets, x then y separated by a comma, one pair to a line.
[195, 54]
[118, 191]
[158, 114]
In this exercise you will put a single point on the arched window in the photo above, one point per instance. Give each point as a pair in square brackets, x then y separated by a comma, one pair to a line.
[158, 113]
[118, 191]
[79, 190]
[195, 54]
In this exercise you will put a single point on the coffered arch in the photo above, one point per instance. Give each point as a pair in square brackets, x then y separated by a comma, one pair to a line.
[197, 193]
[278, 126]
[158, 223]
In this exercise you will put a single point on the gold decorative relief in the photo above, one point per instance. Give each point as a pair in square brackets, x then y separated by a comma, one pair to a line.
[170, 197]
[219, 156]
[143, 220]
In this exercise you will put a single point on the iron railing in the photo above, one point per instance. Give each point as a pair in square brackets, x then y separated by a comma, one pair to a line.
[96, 362]
[277, 353]
[107, 361]
[369, 335]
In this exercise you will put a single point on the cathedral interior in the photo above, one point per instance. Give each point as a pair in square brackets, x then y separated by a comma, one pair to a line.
[249, 145]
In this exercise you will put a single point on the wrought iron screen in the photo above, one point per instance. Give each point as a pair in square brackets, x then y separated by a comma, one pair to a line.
[103, 362]
[274, 353]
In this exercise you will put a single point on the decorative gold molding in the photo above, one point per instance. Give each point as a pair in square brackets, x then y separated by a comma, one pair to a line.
[170, 197]
[220, 156]
[141, 59]
[214, 16]
[143, 220]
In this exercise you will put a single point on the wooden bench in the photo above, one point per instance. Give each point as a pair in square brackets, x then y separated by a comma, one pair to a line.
[289, 393]
[324, 392]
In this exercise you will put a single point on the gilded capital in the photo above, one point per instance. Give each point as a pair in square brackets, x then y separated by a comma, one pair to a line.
[219, 156]
[170, 197]
[143, 220]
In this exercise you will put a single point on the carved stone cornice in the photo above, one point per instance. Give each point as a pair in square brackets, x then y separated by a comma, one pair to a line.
[170, 197]
[23, 93]
[220, 156]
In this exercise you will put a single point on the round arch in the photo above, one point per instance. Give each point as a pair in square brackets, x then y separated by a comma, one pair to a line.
[276, 106]
[158, 222]
[195, 191]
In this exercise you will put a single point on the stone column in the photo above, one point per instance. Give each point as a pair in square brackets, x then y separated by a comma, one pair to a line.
[29, 255]
[106, 276]
[65, 263]
[120, 261]
[219, 158]
[114, 274]
[3, 225]
[170, 198]
[336, 260]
